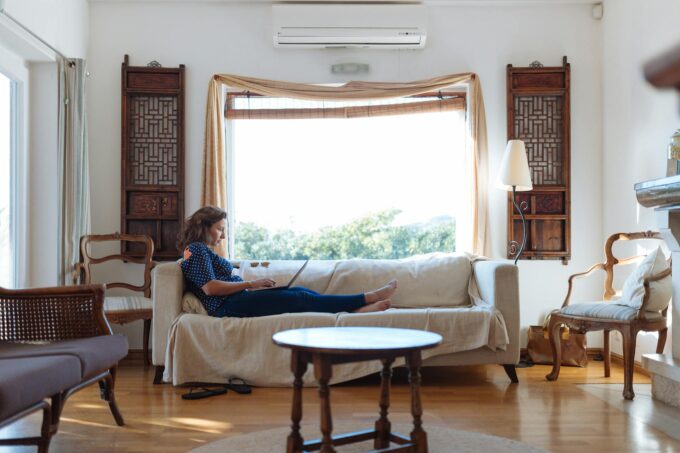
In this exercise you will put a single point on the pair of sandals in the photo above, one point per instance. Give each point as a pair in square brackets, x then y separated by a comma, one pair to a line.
[236, 384]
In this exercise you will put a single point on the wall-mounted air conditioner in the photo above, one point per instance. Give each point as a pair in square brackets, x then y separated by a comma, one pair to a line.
[347, 25]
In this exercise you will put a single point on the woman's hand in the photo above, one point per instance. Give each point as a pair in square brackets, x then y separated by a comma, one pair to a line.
[262, 283]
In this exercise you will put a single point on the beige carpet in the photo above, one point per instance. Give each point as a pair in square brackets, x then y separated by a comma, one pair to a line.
[440, 440]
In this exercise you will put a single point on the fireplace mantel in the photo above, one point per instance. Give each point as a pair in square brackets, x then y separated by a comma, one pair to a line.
[663, 194]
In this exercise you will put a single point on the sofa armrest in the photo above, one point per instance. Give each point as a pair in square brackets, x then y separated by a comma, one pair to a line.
[498, 284]
[167, 291]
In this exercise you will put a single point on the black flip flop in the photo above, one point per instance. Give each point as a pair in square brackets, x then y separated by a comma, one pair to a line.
[204, 394]
[238, 385]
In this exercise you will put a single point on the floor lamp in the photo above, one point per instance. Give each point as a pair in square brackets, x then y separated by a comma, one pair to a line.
[514, 175]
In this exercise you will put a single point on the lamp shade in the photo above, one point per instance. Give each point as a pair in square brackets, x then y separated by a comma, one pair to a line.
[514, 169]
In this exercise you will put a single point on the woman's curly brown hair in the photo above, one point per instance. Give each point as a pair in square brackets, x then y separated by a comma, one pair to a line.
[197, 225]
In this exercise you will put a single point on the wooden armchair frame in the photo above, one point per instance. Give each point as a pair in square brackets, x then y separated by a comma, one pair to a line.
[629, 329]
[49, 315]
[84, 274]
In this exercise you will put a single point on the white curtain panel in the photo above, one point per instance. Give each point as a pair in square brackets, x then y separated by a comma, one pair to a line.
[74, 175]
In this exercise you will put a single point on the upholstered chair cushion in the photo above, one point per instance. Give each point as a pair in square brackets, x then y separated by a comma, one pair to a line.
[606, 310]
[633, 291]
[126, 303]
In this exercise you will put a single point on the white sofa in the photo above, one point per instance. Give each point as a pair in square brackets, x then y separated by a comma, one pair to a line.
[472, 303]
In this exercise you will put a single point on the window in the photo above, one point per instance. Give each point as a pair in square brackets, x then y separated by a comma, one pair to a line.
[376, 185]
[7, 99]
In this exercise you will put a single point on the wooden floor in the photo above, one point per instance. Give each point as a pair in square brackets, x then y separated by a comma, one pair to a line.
[557, 416]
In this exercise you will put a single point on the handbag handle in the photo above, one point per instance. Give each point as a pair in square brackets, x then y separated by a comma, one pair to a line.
[546, 322]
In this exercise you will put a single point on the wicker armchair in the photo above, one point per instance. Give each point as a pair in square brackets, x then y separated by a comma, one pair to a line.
[61, 333]
[596, 316]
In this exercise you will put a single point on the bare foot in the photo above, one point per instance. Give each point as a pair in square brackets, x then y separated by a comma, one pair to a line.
[381, 294]
[381, 305]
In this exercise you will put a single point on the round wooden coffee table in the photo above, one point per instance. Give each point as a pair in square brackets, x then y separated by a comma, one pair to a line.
[326, 346]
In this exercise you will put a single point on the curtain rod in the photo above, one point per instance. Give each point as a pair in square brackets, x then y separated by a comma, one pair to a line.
[30, 32]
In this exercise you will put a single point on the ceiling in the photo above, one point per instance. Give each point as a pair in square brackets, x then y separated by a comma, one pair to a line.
[425, 2]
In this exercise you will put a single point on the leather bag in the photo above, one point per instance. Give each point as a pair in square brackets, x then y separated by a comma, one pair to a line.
[573, 346]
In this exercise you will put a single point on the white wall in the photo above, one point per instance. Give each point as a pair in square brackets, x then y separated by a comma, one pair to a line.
[63, 24]
[638, 119]
[236, 38]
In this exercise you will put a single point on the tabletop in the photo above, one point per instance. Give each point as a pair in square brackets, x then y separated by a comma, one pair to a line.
[347, 340]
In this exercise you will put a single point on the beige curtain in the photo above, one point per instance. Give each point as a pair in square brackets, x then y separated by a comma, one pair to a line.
[214, 192]
[74, 174]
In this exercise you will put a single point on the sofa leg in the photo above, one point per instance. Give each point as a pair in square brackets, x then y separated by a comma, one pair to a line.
[58, 401]
[511, 372]
[107, 386]
[158, 377]
[47, 429]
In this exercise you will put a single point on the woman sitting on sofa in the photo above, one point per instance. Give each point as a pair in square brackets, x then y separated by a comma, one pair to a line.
[210, 278]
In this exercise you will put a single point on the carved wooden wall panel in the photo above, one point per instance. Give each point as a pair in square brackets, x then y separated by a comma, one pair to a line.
[152, 192]
[538, 114]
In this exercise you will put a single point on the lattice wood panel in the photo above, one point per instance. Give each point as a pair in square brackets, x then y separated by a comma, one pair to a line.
[538, 114]
[539, 123]
[153, 132]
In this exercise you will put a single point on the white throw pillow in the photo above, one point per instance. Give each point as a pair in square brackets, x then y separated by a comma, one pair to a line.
[191, 304]
[660, 291]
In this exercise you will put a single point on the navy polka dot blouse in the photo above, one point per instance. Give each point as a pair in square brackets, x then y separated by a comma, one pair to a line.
[203, 266]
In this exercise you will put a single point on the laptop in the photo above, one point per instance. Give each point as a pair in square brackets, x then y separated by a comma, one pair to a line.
[290, 283]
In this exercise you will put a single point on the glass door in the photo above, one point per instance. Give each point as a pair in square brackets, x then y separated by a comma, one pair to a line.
[7, 182]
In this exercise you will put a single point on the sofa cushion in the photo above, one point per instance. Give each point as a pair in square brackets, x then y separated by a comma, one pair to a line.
[27, 381]
[432, 280]
[94, 354]
[191, 304]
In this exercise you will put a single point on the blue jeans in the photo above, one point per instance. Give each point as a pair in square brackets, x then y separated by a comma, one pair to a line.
[246, 304]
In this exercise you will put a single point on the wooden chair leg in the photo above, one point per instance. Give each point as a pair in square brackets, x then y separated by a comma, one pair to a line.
[606, 354]
[107, 386]
[556, 346]
[629, 337]
[661, 343]
[147, 332]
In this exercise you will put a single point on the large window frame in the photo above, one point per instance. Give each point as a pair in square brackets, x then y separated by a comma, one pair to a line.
[15, 69]
[454, 98]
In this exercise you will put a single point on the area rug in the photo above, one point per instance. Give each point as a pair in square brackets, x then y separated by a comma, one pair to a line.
[440, 440]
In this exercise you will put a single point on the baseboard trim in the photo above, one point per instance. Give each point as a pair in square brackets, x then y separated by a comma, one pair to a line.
[136, 354]
[594, 352]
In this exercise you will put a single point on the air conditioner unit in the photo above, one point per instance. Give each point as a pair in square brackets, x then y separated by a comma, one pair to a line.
[372, 26]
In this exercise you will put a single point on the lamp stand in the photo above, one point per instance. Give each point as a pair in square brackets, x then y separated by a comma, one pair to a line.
[513, 244]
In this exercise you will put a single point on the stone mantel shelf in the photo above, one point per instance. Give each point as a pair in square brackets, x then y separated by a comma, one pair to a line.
[659, 193]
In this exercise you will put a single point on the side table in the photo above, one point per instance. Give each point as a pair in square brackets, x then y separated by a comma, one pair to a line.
[326, 346]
